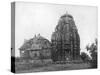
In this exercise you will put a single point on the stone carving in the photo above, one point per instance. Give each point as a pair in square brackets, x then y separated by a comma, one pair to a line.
[64, 45]
[36, 48]
[65, 40]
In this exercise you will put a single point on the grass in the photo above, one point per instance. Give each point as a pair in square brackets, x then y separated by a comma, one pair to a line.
[22, 67]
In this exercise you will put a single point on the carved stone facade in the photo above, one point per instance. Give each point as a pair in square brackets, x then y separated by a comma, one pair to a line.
[64, 45]
[65, 40]
[36, 48]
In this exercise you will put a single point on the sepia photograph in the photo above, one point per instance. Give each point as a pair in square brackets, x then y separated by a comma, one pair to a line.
[53, 37]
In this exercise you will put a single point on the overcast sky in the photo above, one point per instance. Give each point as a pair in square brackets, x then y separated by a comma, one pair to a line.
[33, 18]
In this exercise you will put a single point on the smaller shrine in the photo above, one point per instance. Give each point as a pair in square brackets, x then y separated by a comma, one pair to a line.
[37, 47]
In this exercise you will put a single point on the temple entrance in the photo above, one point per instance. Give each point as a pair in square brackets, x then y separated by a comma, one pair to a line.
[67, 55]
[63, 55]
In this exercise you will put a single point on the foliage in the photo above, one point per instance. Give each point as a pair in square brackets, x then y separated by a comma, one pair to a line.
[85, 57]
[93, 52]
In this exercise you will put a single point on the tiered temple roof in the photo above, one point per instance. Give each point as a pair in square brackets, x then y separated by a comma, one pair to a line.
[36, 43]
[65, 39]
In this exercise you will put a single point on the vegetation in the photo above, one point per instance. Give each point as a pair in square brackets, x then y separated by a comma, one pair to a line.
[85, 57]
[93, 52]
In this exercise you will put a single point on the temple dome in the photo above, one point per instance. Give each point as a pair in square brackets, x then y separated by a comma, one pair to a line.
[64, 28]
[65, 39]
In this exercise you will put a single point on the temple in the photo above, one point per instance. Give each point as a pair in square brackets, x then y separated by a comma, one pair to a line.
[64, 45]
[36, 48]
[65, 40]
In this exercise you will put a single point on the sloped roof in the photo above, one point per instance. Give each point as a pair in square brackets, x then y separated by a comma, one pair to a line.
[37, 42]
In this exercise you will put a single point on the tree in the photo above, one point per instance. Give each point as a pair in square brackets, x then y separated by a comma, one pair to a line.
[85, 57]
[93, 52]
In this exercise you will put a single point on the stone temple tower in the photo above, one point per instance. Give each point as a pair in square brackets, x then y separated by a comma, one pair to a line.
[65, 40]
